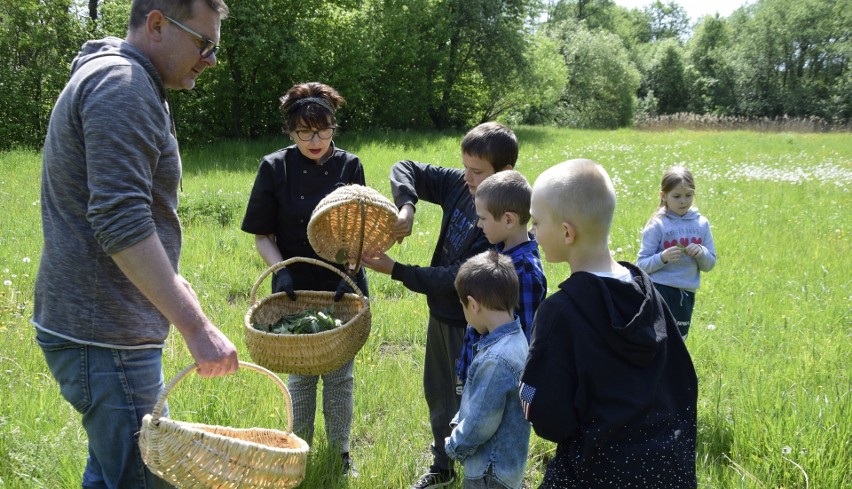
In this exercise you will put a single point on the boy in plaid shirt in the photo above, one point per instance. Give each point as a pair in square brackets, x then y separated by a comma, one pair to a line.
[503, 208]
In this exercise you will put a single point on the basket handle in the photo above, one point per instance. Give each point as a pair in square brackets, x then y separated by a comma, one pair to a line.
[363, 207]
[161, 400]
[296, 259]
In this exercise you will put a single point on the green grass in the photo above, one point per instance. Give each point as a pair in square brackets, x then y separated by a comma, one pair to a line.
[770, 338]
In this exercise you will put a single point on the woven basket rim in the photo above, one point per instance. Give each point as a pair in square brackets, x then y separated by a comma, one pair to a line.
[193, 428]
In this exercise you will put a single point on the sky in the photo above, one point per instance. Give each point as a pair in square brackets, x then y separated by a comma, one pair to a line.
[695, 8]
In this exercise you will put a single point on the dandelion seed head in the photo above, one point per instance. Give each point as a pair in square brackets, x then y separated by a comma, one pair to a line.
[7, 283]
[711, 326]
[26, 259]
[786, 450]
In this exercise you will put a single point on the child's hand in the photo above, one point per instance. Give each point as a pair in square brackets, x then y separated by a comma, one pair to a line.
[381, 263]
[694, 250]
[671, 254]
[404, 223]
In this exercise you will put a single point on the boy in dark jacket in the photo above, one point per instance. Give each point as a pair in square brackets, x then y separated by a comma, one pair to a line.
[608, 377]
[486, 149]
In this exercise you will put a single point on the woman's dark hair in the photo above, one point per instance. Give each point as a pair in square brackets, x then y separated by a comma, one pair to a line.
[313, 104]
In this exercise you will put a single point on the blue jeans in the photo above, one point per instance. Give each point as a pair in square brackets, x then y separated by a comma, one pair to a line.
[487, 481]
[113, 389]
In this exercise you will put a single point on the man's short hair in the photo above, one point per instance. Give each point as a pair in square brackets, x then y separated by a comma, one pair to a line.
[491, 279]
[494, 143]
[506, 191]
[179, 10]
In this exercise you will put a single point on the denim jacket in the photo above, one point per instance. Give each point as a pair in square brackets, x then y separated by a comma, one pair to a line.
[490, 428]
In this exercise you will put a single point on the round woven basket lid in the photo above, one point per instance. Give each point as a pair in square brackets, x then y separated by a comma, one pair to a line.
[352, 221]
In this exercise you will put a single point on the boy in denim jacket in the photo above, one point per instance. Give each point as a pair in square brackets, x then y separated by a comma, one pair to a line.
[503, 208]
[490, 436]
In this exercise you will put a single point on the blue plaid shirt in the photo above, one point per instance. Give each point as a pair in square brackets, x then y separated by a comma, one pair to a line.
[532, 289]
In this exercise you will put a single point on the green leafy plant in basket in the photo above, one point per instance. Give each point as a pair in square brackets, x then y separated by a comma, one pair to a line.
[309, 321]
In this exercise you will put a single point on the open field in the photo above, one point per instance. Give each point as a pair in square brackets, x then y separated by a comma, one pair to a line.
[770, 337]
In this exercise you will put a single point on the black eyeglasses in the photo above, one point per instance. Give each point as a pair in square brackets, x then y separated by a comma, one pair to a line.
[307, 134]
[206, 47]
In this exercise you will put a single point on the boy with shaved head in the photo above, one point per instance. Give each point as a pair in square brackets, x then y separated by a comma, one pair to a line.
[608, 377]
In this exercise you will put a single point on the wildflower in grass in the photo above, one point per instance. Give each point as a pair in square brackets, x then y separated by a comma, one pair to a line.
[26, 259]
[711, 326]
[7, 283]
[618, 250]
[786, 450]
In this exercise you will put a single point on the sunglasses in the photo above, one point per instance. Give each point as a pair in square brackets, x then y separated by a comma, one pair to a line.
[206, 47]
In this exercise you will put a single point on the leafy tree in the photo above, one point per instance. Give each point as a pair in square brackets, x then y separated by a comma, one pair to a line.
[477, 38]
[666, 78]
[37, 42]
[792, 57]
[602, 80]
[633, 26]
[709, 74]
[592, 14]
[540, 85]
[668, 20]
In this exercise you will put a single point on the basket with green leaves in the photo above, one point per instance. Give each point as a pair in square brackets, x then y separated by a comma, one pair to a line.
[311, 335]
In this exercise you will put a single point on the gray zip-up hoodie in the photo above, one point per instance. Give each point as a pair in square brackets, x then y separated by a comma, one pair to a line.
[111, 171]
[668, 229]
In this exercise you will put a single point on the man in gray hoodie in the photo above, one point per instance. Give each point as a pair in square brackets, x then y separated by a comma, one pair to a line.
[108, 285]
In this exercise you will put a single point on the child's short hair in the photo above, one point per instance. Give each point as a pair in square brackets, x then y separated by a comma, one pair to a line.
[492, 142]
[579, 191]
[506, 191]
[491, 279]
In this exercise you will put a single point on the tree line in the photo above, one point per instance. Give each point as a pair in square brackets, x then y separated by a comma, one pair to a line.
[413, 64]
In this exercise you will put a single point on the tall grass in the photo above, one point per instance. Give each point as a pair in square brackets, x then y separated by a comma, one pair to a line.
[770, 338]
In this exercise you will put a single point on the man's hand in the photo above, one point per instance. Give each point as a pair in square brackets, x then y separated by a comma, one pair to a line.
[212, 351]
[381, 263]
[404, 223]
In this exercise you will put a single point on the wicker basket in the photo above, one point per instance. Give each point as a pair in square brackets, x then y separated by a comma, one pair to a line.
[306, 354]
[352, 221]
[194, 455]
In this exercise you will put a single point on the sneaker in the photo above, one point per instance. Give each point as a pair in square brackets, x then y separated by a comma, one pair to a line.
[349, 469]
[435, 478]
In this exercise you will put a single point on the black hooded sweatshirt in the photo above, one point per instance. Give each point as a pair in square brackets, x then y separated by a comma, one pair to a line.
[458, 239]
[609, 379]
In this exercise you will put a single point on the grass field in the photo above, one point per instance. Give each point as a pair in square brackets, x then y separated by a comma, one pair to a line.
[770, 337]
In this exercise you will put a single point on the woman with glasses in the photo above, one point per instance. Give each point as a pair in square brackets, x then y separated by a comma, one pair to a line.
[289, 184]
